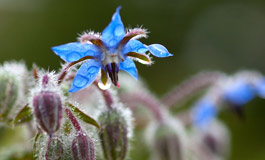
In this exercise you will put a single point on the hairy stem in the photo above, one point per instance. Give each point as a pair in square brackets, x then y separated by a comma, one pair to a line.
[189, 87]
[48, 147]
[132, 99]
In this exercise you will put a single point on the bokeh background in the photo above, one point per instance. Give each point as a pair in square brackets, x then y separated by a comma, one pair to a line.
[224, 35]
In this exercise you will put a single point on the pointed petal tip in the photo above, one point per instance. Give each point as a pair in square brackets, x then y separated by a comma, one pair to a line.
[136, 77]
[118, 9]
[55, 49]
[170, 54]
[159, 50]
[73, 89]
[114, 32]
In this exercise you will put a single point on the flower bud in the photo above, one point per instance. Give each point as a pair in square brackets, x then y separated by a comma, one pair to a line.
[113, 134]
[211, 142]
[167, 144]
[83, 147]
[8, 93]
[48, 110]
[54, 149]
[47, 104]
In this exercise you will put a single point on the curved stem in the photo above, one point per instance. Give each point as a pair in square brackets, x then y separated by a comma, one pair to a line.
[146, 99]
[64, 72]
[68, 66]
[189, 87]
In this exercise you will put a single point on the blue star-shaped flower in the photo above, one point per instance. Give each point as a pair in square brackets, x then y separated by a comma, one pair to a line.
[108, 53]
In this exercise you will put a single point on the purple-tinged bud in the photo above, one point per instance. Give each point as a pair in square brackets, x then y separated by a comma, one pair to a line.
[47, 104]
[113, 134]
[48, 110]
[83, 147]
[55, 149]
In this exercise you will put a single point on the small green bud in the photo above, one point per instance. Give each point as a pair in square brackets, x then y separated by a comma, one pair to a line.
[167, 144]
[167, 140]
[113, 134]
[8, 93]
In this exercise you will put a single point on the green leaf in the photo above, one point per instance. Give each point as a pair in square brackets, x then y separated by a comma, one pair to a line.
[81, 115]
[67, 127]
[24, 115]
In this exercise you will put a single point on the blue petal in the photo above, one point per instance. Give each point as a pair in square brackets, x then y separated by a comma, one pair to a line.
[85, 75]
[239, 94]
[158, 50]
[260, 88]
[204, 112]
[134, 46]
[114, 32]
[71, 52]
[129, 66]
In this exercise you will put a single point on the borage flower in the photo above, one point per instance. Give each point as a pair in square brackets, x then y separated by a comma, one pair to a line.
[108, 53]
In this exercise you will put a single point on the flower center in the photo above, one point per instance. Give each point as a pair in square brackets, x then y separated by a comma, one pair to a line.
[111, 61]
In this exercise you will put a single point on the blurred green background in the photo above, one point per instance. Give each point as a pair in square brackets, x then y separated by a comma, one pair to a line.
[225, 35]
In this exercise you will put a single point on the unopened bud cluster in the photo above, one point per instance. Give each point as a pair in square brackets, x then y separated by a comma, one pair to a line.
[94, 123]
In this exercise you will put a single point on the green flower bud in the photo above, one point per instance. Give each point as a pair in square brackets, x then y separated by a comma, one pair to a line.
[8, 93]
[167, 144]
[113, 134]
[167, 140]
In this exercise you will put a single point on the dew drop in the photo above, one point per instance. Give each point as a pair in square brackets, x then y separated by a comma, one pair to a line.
[73, 57]
[80, 81]
[119, 31]
[92, 70]
[102, 86]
